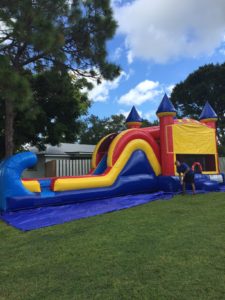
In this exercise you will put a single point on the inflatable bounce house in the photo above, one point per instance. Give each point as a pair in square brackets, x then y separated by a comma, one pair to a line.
[135, 161]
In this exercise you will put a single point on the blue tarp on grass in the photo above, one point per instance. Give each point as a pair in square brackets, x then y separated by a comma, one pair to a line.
[31, 219]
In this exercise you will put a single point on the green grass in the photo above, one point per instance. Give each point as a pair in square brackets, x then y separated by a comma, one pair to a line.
[162, 250]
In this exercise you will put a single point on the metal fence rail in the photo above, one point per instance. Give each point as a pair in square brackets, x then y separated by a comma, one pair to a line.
[75, 167]
[222, 164]
[81, 166]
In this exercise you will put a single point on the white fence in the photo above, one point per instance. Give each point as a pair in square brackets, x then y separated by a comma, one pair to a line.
[76, 167]
[222, 164]
[81, 166]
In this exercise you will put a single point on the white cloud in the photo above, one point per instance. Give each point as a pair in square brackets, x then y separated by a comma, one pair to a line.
[145, 91]
[169, 89]
[123, 112]
[161, 30]
[117, 53]
[150, 115]
[100, 92]
[222, 51]
[130, 57]
[4, 31]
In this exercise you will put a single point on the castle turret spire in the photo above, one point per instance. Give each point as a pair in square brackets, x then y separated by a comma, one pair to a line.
[166, 108]
[133, 120]
[208, 116]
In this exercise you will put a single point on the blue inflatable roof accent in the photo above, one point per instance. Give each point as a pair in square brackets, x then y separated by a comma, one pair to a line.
[165, 105]
[133, 116]
[208, 112]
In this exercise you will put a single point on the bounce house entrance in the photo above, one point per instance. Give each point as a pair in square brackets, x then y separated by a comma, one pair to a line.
[207, 161]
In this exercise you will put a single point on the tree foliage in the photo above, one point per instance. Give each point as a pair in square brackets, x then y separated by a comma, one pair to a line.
[94, 128]
[53, 115]
[44, 35]
[147, 123]
[205, 84]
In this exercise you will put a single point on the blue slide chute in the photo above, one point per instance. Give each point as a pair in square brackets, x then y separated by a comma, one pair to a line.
[101, 167]
[11, 170]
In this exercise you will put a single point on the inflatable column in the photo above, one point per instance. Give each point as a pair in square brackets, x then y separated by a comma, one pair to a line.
[166, 113]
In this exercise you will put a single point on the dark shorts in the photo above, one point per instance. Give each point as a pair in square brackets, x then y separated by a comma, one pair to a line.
[189, 178]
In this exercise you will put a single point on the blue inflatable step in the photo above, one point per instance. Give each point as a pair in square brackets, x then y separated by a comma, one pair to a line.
[46, 187]
[210, 186]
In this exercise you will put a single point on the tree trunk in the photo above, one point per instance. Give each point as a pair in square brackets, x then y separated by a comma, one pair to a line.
[9, 128]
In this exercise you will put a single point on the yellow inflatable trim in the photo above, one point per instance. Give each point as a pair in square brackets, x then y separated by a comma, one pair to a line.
[32, 185]
[164, 114]
[66, 184]
[113, 146]
[209, 120]
[133, 123]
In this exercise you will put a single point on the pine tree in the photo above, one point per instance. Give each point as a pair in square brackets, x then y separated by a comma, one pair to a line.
[41, 35]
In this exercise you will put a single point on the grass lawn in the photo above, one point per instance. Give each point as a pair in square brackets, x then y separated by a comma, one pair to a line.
[162, 250]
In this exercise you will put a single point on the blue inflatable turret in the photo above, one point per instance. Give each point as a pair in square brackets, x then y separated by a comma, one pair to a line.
[133, 120]
[166, 107]
[208, 112]
[208, 116]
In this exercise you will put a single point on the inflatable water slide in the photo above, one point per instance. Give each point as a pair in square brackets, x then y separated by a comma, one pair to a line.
[135, 161]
